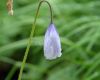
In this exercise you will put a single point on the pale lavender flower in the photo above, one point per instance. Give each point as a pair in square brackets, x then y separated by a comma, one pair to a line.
[52, 45]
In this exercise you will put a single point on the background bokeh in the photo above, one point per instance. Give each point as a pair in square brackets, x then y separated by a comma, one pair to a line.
[78, 23]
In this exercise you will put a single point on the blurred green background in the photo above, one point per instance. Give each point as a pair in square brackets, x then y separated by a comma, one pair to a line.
[78, 23]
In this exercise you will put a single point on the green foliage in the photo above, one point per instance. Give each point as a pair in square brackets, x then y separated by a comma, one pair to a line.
[78, 23]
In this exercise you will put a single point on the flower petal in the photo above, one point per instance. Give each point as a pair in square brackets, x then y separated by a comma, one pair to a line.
[52, 45]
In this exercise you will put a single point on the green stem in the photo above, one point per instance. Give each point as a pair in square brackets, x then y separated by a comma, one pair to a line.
[50, 10]
[28, 46]
[31, 35]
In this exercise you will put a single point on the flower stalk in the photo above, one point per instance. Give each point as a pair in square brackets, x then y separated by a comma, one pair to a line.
[30, 38]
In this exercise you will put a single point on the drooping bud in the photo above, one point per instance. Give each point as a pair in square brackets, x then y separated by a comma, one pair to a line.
[52, 45]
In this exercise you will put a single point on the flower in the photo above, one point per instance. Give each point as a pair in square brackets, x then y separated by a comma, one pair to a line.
[52, 45]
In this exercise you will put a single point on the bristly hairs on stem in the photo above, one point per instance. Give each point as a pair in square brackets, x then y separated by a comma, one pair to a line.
[31, 35]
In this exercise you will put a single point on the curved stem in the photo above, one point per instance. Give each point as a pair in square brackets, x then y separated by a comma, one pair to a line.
[51, 13]
[31, 35]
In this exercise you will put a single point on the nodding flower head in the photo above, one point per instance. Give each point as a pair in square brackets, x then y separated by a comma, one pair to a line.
[52, 45]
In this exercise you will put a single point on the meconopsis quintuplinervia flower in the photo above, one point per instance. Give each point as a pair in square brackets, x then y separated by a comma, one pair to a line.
[52, 45]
